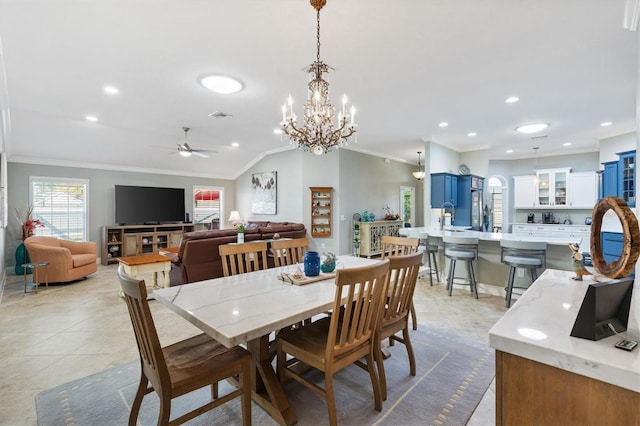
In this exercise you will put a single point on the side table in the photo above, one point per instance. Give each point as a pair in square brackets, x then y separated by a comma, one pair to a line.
[35, 266]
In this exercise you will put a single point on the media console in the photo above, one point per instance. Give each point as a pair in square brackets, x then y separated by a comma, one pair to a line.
[135, 240]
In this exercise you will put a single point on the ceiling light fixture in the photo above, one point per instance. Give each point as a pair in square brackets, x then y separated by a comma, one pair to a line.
[277, 131]
[110, 90]
[566, 144]
[318, 133]
[509, 151]
[606, 123]
[91, 118]
[531, 128]
[512, 99]
[235, 144]
[419, 173]
[443, 124]
[472, 134]
[221, 84]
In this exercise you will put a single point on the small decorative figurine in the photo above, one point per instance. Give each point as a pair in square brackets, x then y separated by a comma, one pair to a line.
[576, 259]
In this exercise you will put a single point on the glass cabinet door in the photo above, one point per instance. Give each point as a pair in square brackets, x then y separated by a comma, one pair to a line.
[560, 188]
[543, 189]
[627, 176]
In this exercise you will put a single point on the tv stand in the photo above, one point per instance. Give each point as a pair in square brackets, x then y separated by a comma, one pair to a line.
[135, 240]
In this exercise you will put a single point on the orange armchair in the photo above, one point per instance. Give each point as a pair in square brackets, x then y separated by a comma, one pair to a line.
[68, 260]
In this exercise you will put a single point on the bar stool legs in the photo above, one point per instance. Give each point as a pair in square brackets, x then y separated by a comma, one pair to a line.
[472, 277]
[432, 252]
[512, 274]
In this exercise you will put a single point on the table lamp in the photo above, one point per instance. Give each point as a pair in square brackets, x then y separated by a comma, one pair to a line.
[235, 218]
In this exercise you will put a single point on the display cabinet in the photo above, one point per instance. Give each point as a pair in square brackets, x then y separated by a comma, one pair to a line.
[371, 234]
[134, 240]
[321, 208]
[552, 187]
[627, 177]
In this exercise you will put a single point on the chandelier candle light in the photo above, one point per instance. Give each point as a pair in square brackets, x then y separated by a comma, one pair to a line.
[318, 133]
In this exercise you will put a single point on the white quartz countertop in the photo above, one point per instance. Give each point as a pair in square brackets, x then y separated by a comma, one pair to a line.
[538, 327]
[423, 232]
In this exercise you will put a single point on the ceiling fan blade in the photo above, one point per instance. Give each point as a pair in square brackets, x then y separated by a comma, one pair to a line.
[199, 154]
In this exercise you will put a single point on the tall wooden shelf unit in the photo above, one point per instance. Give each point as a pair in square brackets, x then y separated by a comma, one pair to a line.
[134, 240]
[321, 208]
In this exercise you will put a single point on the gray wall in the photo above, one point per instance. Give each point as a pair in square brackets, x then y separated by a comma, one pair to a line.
[101, 194]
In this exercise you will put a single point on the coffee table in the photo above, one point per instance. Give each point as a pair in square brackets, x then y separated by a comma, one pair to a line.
[134, 265]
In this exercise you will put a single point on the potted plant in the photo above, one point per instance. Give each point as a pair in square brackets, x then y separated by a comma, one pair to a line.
[240, 229]
[329, 262]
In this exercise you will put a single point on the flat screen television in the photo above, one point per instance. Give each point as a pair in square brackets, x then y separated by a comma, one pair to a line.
[149, 205]
[604, 303]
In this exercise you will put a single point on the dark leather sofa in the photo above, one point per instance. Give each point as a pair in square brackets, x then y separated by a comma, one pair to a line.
[199, 259]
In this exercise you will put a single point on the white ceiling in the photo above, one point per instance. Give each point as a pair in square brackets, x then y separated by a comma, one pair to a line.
[406, 64]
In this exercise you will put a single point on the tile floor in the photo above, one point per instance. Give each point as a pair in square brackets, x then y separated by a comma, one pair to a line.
[69, 331]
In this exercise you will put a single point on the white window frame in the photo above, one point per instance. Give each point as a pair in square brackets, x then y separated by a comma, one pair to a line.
[220, 189]
[59, 180]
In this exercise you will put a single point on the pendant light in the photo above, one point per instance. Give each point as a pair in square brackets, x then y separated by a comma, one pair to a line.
[419, 173]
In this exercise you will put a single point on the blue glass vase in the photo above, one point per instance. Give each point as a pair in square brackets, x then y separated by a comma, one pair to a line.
[22, 257]
[312, 264]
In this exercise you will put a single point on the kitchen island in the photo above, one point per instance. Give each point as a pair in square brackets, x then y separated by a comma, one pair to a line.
[545, 376]
[491, 273]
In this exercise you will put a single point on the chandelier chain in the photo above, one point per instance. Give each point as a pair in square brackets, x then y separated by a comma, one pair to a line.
[318, 36]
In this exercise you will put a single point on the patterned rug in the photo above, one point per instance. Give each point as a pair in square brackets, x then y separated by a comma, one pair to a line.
[453, 374]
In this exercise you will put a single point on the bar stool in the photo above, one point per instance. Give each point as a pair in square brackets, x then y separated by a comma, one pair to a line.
[530, 255]
[466, 250]
[432, 256]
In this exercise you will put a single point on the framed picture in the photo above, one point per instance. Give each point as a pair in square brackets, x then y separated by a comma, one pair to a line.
[263, 192]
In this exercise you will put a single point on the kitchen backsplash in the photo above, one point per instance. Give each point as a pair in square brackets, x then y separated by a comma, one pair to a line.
[577, 217]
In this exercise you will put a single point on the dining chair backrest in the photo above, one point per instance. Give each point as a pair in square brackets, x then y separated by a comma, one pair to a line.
[242, 258]
[364, 288]
[398, 246]
[290, 251]
[402, 278]
[151, 355]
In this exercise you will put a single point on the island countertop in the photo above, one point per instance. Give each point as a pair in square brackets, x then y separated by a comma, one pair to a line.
[538, 328]
[484, 236]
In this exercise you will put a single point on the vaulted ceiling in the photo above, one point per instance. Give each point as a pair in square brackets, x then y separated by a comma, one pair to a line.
[407, 65]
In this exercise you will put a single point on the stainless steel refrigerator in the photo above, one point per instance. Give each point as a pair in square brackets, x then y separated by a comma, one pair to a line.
[477, 214]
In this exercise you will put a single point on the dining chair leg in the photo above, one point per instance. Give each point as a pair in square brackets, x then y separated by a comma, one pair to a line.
[331, 398]
[165, 410]
[414, 321]
[409, 346]
[375, 381]
[214, 390]
[382, 376]
[137, 401]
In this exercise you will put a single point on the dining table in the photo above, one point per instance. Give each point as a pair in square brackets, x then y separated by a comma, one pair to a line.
[247, 308]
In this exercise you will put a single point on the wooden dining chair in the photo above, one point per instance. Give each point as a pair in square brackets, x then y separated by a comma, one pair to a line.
[331, 344]
[399, 246]
[289, 252]
[242, 258]
[402, 278]
[184, 366]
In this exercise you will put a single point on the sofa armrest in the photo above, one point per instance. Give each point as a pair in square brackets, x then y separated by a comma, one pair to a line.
[53, 255]
[80, 247]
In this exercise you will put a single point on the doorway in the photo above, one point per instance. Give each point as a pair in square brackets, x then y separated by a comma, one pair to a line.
[207, 207]
[497, 202]
[408, 205]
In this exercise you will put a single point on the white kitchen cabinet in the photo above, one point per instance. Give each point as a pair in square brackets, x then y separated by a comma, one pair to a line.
[531, 230]
[583, 190]
[582, 231]
[552, 187]
[524, 192]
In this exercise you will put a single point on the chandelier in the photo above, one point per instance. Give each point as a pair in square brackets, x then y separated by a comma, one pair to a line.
[318, 133]
[419, 173]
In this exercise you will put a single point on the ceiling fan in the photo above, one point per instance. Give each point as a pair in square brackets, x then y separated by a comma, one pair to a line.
[185, 150]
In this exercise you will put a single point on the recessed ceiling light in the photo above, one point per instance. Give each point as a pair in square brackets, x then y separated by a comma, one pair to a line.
[532, 128]
[509, 151]
[512, 99]
[110, 90]
[91, 118]
[606, 123]
[221, 84]
[277, 131]
[566, 144]
[236, 144]
[443, 124]
[471, 134]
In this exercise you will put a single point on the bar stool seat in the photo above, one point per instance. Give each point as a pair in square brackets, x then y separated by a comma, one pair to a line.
[529, 255]
[466, 250]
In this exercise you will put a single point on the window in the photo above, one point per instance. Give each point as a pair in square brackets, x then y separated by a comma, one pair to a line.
[61, 204]
[207, 207]
[496, 189]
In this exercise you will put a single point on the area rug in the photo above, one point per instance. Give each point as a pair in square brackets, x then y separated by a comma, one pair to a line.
[453, 374]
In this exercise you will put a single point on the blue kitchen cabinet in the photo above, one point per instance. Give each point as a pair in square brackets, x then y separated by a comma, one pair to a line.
[444, 187]
[612, 246]
[469, 211]
[627, 177]
[610, 179]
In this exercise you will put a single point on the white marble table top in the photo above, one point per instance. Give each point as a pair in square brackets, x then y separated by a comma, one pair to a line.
[244, 307]
[423, 232]
[538, 327]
